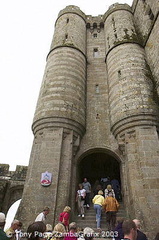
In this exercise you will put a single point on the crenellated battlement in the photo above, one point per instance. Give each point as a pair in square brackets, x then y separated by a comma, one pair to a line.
[11, 185]
[94, 23]
[73, 10]
[19, 174]
[117, 7]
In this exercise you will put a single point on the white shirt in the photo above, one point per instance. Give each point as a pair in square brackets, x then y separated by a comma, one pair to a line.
[81, 192]
[41, 217]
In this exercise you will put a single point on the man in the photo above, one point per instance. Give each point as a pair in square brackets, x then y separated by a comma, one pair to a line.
[140, 235]
[11, 232]
[87, 186]
[42, 216]
[116, 187]
[3, 235]
[111, 207]
[129, 230]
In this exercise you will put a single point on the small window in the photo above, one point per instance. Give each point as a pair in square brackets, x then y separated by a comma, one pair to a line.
[95, 35]
[95, 52]
[66, 36]
[119, 73]
[97, 88]
[67, 20]
[94, 25]
[97, 116]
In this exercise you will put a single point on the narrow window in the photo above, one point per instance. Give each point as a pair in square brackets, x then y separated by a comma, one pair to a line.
[97, 88]
[66, 36]
[95, 52]
[67, 20]
[97, 116]
[119, 74]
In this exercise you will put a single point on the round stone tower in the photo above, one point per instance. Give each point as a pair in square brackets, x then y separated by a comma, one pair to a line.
[62, 96]
[133, 110]
[59, 120]
[131, 96]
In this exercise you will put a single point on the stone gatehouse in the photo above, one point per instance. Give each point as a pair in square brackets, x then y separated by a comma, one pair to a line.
[98, 110]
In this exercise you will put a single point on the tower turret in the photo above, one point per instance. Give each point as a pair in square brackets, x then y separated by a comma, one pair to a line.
[131, 95]
[62, 96]
[59, 120]
[133, 110]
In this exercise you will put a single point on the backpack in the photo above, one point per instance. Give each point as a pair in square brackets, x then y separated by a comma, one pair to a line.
[110, 191]
[61, 217]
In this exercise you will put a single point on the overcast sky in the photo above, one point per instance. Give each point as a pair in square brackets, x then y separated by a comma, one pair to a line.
[26, 30]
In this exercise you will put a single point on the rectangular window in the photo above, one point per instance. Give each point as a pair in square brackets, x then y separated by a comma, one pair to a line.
[95, 52]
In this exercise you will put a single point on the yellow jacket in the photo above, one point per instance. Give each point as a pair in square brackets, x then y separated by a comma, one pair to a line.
[110, 204]
[98, 199]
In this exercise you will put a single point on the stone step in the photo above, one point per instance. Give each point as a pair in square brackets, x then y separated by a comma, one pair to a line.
[89, 219]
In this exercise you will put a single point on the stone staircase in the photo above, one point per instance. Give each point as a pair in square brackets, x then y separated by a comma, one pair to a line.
[90, 221]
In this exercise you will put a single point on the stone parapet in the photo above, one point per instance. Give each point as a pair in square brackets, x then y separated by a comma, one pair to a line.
[18, 174]
[11, 185]
[119, 27]
[117, 7]
[73, 10]
[70, 30]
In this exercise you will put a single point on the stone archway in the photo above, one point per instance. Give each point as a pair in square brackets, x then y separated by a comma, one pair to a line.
[96, 164]
[14, 192]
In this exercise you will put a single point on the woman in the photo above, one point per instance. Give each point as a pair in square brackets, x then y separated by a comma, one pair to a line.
[80, 198]
[108, 190]
[58, 232]
[64, 217]
[98, 201]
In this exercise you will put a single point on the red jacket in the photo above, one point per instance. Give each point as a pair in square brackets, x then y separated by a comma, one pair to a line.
[64, 218]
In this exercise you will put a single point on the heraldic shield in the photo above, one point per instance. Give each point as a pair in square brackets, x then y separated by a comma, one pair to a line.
[46, 179]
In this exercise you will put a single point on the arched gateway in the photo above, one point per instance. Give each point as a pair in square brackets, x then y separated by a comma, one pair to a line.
[97, 164]
[94, 164]
[99, 91]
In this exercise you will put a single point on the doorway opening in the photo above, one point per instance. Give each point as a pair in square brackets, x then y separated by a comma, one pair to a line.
[96, 166]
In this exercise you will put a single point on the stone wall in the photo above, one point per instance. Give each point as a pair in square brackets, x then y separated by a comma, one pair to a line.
[11, 185]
